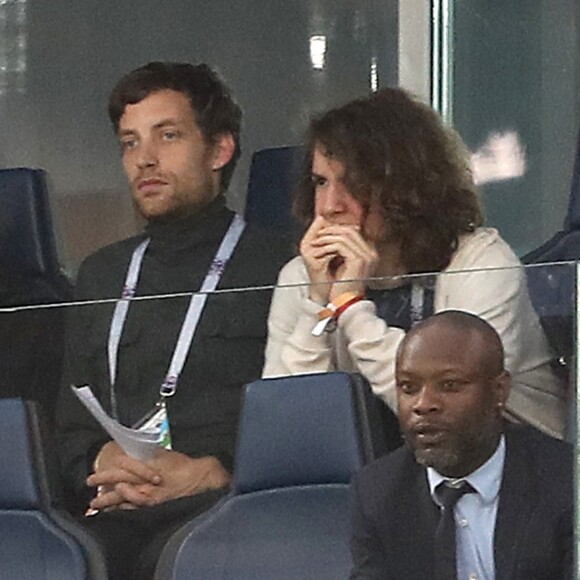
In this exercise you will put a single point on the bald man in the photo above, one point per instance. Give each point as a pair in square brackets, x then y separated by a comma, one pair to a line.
[513, 516]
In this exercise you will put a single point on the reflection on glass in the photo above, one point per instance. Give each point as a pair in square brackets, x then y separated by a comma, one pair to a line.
[318, 51]
[501, 157]
[13, 41]
[374, 74]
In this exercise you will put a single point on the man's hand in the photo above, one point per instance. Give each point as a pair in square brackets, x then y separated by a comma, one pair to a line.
[183, 476]
[334, 253]
[126, 483]
[122, 482]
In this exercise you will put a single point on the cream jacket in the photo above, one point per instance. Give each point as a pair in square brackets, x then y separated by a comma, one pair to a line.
[364, 343]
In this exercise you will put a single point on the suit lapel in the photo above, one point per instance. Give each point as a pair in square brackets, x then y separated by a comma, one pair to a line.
[417, 518]
[514, 510]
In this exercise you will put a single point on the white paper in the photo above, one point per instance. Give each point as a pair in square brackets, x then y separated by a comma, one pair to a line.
[140, 444]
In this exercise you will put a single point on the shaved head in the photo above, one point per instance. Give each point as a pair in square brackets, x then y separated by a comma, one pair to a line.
[491, 353]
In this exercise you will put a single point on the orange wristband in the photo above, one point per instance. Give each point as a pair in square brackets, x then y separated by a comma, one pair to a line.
[348, 303]
[333, 310]
[342, 300]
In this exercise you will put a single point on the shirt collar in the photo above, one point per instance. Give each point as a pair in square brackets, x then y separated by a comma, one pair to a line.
[486, 479]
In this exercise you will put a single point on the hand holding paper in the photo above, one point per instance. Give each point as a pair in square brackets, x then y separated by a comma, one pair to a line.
[140, 444]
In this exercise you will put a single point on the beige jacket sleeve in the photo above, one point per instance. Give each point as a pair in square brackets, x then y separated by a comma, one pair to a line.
[362, 343]
[291, 348]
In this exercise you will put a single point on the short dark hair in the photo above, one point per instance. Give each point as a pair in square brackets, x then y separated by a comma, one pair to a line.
[215, 110]
[396, 149]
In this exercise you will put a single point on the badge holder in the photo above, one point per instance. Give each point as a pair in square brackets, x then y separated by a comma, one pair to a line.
[157, 419]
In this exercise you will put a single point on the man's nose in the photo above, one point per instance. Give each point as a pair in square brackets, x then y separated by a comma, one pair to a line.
[147, 156]
[427, 401]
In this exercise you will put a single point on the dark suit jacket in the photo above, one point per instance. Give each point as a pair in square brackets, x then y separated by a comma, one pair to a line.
[394, 517]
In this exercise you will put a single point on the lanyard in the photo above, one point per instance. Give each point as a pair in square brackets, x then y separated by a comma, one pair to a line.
[417, 301]
[196, 305]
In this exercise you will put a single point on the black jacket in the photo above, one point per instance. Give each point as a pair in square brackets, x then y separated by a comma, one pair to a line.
[227, 349]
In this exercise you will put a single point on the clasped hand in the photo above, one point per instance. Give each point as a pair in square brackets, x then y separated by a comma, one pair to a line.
[127, 483]
[338, 259]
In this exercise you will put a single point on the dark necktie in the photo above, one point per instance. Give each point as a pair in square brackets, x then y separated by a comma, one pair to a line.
[445, 547]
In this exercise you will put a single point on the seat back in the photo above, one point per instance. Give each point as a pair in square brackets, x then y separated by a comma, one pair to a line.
[31, 342]
[19, 489]
[37, 543]
[283, 534]
[274, 174]
[299, 430]
[300, 440]
[28, 244]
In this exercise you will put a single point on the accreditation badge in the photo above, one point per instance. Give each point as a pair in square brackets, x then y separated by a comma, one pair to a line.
[159, 421]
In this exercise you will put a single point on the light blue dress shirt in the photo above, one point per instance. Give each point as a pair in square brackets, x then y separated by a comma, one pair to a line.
[475, 515]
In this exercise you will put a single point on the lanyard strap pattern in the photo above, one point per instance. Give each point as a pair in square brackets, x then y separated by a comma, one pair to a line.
[120, 315]
[196, 305]
[417, 301]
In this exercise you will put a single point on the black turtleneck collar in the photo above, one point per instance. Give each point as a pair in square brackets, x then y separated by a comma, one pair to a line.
[190, 229]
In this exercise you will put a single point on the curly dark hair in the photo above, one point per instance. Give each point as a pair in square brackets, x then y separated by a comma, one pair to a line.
[397, 150]
[215, 110]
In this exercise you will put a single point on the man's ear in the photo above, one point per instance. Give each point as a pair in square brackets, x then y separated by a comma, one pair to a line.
[502, 388]
[223, 150]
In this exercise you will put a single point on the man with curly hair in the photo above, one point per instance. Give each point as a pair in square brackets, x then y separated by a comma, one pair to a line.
[387, 192]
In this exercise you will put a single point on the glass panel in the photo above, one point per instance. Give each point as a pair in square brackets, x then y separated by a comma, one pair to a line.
[517, 105]
[282, 60]
[540, 350]
[537, 328]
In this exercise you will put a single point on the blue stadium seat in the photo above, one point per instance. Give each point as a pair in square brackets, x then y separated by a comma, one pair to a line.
[274, 174]
[28, 246]
[31, 341]
[301, 439]
[38, 542]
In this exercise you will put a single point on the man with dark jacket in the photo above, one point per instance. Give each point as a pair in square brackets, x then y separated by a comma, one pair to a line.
[177, 357]
[466, 497]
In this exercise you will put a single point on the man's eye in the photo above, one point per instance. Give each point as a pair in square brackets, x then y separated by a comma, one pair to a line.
[406, 387]
[318, 181]
[452, 385]
[169, 135]
[128, 144]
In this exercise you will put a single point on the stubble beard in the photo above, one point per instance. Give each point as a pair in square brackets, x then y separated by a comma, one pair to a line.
[441, 460]
[175, 207]
[461, 450]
